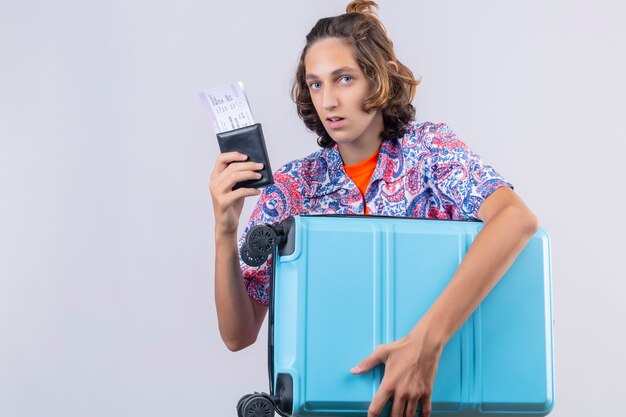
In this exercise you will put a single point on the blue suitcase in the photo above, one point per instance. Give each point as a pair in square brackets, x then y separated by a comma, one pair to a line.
[342, 285]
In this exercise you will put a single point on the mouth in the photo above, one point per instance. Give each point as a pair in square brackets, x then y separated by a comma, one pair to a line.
[335, 122]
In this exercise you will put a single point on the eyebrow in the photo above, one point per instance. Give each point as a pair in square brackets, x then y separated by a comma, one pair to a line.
[334, 73]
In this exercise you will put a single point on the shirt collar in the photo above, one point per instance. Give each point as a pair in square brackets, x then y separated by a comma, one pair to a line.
[328, 174]
[390, 164]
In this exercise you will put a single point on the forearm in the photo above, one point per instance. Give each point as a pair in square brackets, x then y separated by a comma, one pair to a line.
[491, 254]
[234, 308]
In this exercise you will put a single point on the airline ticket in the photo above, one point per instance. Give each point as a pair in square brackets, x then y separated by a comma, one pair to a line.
[227, 106]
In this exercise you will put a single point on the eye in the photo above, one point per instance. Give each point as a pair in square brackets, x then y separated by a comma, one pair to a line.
[347, 79]
[314, 85]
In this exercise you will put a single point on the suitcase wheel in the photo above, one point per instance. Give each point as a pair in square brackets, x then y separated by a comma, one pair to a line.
[261, 240]
[250, 258]
[240, 404]
[257, 405]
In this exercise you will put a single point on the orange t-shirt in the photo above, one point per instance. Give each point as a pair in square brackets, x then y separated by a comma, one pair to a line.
[361, 174]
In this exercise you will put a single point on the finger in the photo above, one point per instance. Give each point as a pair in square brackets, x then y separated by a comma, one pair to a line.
[244, 166]
[241, 193]
[232, 197]
[411, 407]
[378, 402]
[398, 406]
[378, 356]
[236, 167]
[226, 182]
[427, 406]
[226, 158]
[228, 200]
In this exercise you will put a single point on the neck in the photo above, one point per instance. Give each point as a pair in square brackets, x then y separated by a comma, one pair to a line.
[365, 146]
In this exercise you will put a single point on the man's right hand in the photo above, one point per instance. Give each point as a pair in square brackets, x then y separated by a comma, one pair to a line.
[231, 168]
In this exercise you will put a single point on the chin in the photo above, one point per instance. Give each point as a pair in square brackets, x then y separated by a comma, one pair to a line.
[341, 137]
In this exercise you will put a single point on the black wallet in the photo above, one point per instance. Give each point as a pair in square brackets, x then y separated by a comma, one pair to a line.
[249, 141]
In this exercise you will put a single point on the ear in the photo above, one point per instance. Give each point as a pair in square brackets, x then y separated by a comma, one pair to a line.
[393, 64]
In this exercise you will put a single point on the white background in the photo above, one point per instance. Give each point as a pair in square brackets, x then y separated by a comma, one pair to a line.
[106, 225]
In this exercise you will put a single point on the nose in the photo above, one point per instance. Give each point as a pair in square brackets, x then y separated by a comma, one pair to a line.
[329, 98]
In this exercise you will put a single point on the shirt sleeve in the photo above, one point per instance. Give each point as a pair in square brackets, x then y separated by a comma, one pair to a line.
[459, 179]
[276, 203]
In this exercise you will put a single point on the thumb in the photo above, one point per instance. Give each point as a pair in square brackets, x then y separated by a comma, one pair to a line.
[378, 356]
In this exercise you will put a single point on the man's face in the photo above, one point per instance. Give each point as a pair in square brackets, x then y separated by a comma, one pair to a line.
[338, 90]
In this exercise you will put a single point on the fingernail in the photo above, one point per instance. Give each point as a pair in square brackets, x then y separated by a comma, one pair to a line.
[355, 369]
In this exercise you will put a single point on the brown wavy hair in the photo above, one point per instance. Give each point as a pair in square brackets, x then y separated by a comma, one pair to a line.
[392, 90]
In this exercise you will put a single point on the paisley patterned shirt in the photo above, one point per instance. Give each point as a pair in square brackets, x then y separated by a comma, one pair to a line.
[427, 173]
